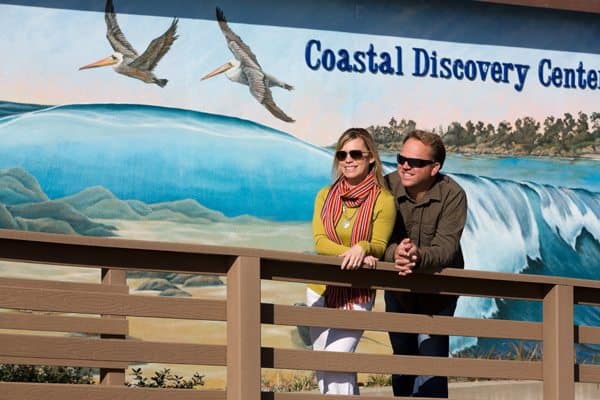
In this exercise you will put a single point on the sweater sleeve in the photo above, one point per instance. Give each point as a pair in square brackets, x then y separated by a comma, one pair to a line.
[384, 216]
[323, 245]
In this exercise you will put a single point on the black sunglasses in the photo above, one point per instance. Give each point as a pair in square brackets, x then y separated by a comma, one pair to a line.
[354, 154]
[413, 162]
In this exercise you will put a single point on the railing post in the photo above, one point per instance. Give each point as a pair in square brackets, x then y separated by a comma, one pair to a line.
[113, 376]
[243, 329]
[558, 336]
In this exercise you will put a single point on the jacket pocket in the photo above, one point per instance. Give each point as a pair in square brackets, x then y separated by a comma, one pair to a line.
[427, 234]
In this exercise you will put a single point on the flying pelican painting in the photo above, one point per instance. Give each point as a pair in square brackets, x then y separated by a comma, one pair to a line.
[125, 59]
[246, 70]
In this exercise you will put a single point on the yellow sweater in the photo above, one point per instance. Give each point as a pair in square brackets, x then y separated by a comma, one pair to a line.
[382, 224]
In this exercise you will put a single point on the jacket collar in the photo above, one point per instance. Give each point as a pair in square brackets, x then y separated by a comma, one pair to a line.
[433, 194]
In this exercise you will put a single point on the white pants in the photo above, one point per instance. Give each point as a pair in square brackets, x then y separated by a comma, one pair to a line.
[331, 339]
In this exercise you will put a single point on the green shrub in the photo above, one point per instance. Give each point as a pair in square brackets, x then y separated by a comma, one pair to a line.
[379, 380]
[164, 379]
[297, 383]
[45, 374]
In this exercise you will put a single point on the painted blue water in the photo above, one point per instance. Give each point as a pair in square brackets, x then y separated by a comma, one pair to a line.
[156, 154]
[541, 216]
[564, 172]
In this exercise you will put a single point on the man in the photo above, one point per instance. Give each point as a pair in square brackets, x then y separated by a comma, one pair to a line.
[432, 210]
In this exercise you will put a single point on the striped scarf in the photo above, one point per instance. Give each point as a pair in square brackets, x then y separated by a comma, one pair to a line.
[363, 196]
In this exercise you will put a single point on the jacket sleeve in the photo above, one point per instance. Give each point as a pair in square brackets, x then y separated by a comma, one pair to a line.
[389, 251]
[323, 245]
[445, 246]
[394, 239]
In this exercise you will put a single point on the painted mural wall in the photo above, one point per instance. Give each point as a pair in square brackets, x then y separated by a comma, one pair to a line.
[152, 143]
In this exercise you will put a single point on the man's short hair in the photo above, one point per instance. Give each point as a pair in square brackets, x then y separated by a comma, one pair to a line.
[438, 150]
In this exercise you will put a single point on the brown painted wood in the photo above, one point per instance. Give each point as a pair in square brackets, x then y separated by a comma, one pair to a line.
[110, 253]
[46, 391]
[60, 285]
[131, 351]
[111, 304]
[587, 334]
[243, 330]
[472, 284]
[588, 373]
[56, 323]
[590, 6]
[386, 364]
[110, 277]
[386, 322]
[62, 362]
[558, 332]
[243, 309]
[316, 396]
[66, 250]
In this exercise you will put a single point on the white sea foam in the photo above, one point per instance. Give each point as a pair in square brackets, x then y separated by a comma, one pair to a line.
[566, 213]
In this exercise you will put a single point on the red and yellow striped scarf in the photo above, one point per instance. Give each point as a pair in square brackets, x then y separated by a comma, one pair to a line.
[363, 196]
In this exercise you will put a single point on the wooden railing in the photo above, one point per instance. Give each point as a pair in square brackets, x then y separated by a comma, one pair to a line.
[243, 356]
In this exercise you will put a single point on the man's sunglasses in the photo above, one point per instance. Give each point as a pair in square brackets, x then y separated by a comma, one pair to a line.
[413, 162]
[354, 154]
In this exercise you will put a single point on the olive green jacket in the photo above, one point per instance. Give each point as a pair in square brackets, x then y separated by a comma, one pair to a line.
[435, 224]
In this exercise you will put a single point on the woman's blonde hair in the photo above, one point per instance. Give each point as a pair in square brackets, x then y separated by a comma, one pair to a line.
[360, 133]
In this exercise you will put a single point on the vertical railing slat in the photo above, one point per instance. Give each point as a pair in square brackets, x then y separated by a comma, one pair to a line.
[558, 339]
[114, 377]
[243, 329]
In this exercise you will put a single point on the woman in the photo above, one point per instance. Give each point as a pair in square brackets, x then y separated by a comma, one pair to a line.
[353, 219]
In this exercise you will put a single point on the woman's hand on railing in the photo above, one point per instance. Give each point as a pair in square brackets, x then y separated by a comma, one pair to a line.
[371, 261]
[353, 257]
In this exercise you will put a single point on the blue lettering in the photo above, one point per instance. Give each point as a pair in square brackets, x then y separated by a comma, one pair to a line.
[445, 71]
[328, 60]
[399, 70]
[418, 71]
[496, 72]
[307, 54]
[580, 73]
[386, 64]
[592, 79]
[343, 63]
[484, 67]
[433, 60]
[359, 58]
[507, 67]
[470, 70]
[556, 77]
[521, 76]
[372, 64]
[569, 79]
[458, 74]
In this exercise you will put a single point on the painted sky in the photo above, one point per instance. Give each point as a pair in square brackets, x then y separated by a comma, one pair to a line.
[44, 48]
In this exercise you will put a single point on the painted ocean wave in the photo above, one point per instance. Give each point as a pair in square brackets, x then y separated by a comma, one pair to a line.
[151, 155]
[8, 108]
[525, 227]
[157, 154]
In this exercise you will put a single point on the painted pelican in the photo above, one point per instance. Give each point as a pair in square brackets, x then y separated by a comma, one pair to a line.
[246, 70]
[125, 60]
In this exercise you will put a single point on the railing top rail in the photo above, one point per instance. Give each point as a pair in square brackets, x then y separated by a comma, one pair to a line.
[8, 236]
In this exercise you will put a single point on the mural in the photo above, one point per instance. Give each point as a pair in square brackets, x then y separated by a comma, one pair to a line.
[197, 160]
[246, 70]
[126, 59]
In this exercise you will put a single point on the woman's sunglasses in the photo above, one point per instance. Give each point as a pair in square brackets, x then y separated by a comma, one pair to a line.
[413, 162]
[354, 154]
